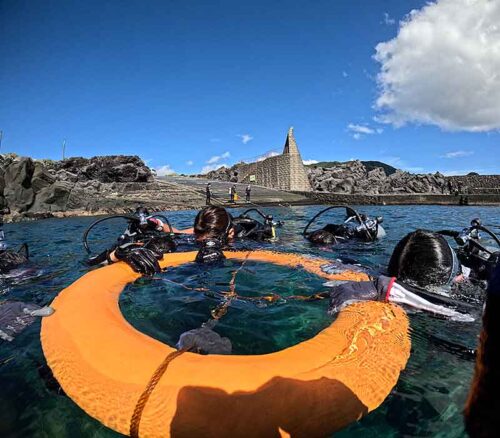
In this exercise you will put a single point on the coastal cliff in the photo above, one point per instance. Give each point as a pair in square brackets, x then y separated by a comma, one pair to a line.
[34, 189]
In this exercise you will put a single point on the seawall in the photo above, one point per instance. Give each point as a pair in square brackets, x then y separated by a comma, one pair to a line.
[407, 199]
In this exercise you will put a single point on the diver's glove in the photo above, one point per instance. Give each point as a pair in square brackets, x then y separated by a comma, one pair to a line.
[210, 251]
[15, 316]
[204, 341]
[139, 258]
[347, 293]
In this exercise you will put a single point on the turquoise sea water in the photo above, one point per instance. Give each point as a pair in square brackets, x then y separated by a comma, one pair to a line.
[429, 396]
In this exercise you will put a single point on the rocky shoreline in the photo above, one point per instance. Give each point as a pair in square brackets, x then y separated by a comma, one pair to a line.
[354, 177]
[37, 189]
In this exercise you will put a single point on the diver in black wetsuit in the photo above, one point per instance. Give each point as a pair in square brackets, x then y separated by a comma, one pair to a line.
[9, 259]
[355, 226]
[214, 227]
[142, 244]
[422, 260]
[246, 227]
[15, 316]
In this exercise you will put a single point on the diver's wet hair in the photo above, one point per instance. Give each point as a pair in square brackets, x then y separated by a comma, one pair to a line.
[422, 258]
[141, 210]
[322, 237]
[212, 223]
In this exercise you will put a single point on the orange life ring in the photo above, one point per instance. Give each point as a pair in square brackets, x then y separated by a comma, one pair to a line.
[311, 389]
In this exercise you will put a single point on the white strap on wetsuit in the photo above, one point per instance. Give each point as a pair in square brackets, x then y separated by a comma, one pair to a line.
[398, 294]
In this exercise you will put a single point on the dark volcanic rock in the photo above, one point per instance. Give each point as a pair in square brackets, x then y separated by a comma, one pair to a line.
[98, 185]
[223, 174]
[41, 178]
[106, 169]
[353, 177]
[18, 192]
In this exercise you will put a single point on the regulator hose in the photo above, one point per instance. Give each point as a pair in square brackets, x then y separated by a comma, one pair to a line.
[455, 234]
[448, 233]
[267, 219]
[130, 218]
[98, 221]
[487, 231]
[258, 211]
[348, 209]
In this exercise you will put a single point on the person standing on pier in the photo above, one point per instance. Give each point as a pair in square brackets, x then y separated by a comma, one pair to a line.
[248, 192]
[232, 194]
[208, 192]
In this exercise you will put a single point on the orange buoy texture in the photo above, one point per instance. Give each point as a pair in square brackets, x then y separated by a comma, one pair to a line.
[311, 389]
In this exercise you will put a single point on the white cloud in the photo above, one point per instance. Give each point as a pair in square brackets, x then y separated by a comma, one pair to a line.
[267, 155]
[189, 162]
[165, 170]
[358, 131]
[309, 162]
[344, 73]
[217, 158]
[388, 20]
[210, 167]
[442, 68]
[245, 138]
[457, 154]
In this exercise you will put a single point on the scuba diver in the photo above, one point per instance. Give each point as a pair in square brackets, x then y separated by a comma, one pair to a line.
[214, 227]
[246, 227]
[472, 253]
[355, 226]
[10, 260]
[144, 241]
[421, 262]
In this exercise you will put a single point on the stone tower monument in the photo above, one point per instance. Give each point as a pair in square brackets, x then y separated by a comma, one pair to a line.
[298, 180]
[283, 172]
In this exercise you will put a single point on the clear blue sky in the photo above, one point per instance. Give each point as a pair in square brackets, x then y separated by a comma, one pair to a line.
[182, 81]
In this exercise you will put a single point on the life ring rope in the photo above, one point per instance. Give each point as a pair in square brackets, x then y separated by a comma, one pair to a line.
[143, 399]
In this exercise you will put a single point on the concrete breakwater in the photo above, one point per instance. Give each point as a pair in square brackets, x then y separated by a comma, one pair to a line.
[403, 199]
